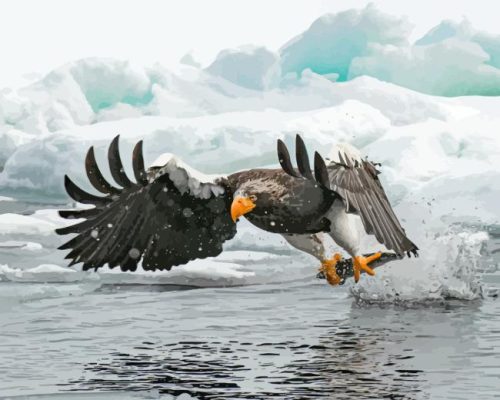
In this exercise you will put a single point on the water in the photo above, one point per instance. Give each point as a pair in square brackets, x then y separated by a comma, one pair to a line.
[290, 340]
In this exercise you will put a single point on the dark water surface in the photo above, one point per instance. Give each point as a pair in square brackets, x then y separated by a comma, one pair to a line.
[300, 341]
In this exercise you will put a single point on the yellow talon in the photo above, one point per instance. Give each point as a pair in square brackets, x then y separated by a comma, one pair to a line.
[360, 263]
[328, 268]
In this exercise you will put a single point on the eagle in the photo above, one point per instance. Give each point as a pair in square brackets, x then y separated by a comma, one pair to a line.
[171, 214]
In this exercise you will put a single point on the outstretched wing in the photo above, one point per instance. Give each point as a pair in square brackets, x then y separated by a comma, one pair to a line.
[166, 218]
[356, 181]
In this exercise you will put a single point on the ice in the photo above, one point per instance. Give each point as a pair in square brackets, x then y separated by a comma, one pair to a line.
[10, 140]
[15, 224]
[334, 40]
[464, 31]
[452, 59]
[452, 67]
[41, 273]
[250, 67]
[189, 59]
[28, 246]
[7, 147]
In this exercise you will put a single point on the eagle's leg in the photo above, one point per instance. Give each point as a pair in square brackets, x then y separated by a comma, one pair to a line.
[344, 232]
[313, 245]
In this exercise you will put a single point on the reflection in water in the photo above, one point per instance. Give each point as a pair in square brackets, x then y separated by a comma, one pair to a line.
[341, 363]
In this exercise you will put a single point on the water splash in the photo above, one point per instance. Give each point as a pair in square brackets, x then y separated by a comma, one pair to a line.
[448, 268]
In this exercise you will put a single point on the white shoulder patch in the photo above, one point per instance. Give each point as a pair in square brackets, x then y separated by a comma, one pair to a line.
[347, 151]
[186, 178]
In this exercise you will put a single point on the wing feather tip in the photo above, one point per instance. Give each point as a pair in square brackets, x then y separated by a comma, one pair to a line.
[138, 164]
[302, 158]
[284, 159]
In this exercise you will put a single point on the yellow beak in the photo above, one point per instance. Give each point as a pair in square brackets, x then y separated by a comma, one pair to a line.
[241, 206]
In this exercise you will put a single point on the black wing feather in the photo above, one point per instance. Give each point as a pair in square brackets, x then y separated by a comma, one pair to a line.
[115, 164]
[302, 158]
[320, 171]
[95, 176]
[138, 164]
[81, 196]
[284, 159]
[76, 214]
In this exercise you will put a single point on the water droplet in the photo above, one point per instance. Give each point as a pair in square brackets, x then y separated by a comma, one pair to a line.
[134, 253]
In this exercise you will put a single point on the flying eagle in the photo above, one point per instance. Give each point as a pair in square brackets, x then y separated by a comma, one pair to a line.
[170, 215]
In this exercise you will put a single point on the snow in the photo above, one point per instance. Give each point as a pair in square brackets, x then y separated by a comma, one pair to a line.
[452, 67]
[12, 244]
[452, 59]
[250, 67]
[439, 155]
[334, 40]
[23, 224]
[189, 59]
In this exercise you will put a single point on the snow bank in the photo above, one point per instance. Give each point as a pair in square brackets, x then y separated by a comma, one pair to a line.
[452, 59]
[452, 67]
[250, 67]
[419, 158]
[334, 40]
[219, 144]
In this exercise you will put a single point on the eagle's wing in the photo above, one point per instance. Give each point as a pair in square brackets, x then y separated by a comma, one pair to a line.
[357, 183]
[166, 218]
